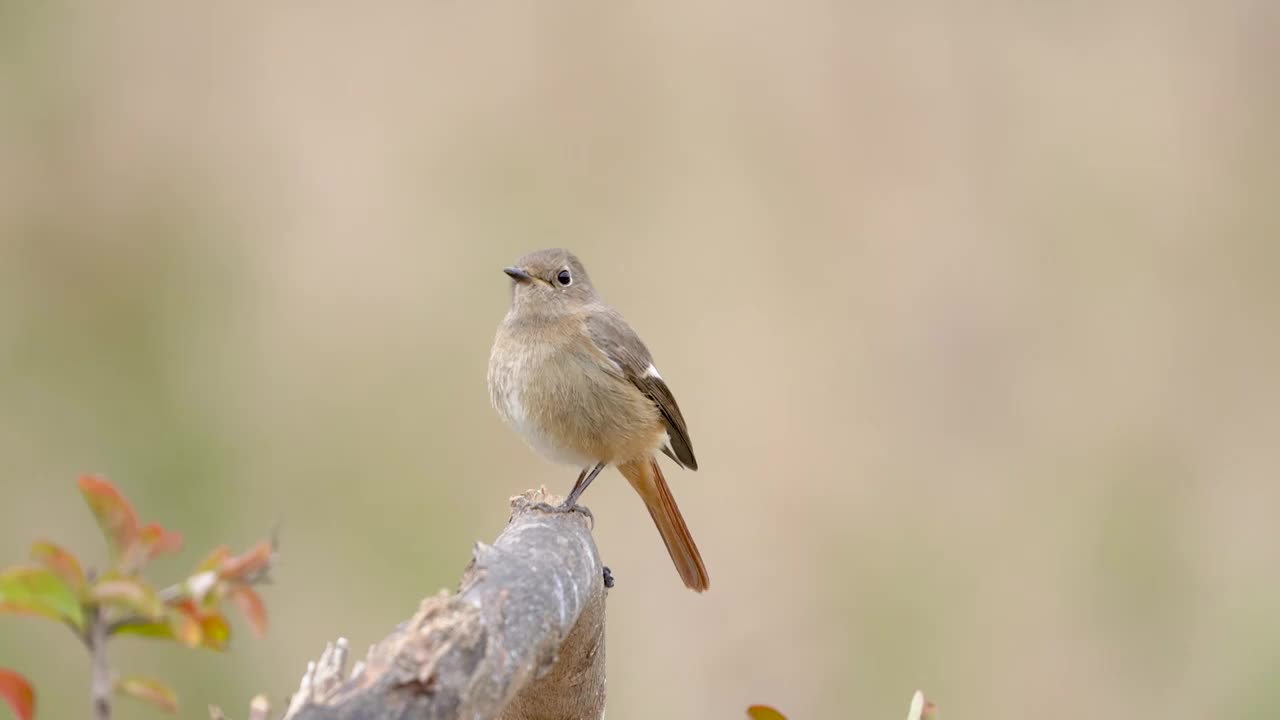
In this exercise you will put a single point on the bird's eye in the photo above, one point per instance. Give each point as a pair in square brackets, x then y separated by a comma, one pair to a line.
[564, 278]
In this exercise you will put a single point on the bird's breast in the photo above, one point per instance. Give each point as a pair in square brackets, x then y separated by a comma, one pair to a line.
[528, 388]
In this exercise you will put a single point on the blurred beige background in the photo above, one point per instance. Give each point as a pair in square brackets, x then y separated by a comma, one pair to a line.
[972, 310]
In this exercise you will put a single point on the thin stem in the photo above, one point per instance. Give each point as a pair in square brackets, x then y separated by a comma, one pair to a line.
[100, 684]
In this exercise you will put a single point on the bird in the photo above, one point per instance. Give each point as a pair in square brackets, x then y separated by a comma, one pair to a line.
[571, 377]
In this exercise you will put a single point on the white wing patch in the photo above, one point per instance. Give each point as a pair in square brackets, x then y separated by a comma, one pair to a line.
[652, 372]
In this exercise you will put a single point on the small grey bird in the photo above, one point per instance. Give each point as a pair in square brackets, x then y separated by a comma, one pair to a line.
[572, 377]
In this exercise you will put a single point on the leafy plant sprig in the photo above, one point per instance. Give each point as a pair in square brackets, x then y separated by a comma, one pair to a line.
[97, 606]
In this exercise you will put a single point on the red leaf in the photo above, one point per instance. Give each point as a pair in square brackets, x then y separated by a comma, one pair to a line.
[18, 693]
[38, 591]
[255, 559]
[764, 712]
[250, 604]
[62, 563]
[152, 691]
[114, 514]
[129, 594]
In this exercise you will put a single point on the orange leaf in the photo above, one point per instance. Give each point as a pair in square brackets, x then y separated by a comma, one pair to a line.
[186, 629]
[250, 604]
[185, 620]
[186, 623]
[62, 563]
[160, 541]
[764, 712]
[114, 513]
[129, 594]
[151, 542]
[214, 560]
[38, 591]
[18, 693]
[253, 560]
[152, 691]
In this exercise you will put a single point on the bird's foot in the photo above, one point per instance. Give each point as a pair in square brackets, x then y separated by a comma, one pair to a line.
[608, 577]
[562, 508]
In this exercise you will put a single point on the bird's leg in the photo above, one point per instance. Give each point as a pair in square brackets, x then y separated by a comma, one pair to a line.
[581, 486]
[570, 503]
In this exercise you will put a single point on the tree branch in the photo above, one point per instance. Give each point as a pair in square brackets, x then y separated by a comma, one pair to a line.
[523, 639]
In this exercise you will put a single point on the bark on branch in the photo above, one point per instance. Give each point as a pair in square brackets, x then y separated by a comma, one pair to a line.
[523, 639]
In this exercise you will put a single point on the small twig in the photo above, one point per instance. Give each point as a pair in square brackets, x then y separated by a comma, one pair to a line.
[100, 684]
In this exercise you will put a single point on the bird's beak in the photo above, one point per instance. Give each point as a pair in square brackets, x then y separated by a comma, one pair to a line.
[517, 274]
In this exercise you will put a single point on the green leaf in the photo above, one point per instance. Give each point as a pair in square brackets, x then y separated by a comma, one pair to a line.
[113, 512]
[18, 694]
[187, 624]
[62, 563]
[764, 712]
[183, 623]
[149, 690]
[128, 594]
[39, 591]
[216, 632]
[176, 626]
[160, 629]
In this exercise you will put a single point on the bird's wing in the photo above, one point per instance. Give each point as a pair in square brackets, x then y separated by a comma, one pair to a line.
[615, 338]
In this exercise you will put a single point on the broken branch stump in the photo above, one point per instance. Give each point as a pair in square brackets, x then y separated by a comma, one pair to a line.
[523, 638]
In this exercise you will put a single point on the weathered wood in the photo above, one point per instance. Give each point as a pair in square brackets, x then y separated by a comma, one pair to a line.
[523, 639]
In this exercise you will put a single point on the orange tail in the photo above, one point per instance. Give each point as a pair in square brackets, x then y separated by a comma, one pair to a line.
[646, 477]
